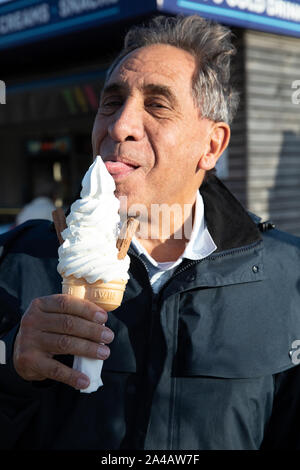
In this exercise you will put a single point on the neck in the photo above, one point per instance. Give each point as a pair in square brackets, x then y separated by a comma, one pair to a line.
[168, 229]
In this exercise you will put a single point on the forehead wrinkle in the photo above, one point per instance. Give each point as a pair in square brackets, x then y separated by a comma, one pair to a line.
[146, 66]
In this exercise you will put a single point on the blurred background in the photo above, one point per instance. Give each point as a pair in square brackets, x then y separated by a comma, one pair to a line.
[53, 58]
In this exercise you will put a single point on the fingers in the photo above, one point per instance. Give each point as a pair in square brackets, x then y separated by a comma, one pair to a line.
[63, 303]
[32, 364]
[55, 370]
[59, 324]
[64, 344]
[74, 326]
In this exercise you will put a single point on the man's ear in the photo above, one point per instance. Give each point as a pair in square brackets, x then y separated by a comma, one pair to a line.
[218, 140]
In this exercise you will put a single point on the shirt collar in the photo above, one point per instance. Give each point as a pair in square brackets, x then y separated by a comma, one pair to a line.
[200, 244]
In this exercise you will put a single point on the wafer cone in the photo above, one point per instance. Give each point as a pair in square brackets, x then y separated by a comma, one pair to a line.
[108, 295]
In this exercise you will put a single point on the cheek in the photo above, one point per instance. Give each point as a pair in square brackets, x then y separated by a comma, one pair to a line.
[167, 143]
[98, 133]
[176, 146]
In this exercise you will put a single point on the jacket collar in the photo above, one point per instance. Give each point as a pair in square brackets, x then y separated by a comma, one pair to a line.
[227, 221]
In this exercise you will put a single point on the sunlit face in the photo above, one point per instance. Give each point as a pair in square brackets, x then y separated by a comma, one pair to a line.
[148, 130]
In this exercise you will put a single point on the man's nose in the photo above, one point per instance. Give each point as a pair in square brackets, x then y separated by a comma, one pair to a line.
[127, 123]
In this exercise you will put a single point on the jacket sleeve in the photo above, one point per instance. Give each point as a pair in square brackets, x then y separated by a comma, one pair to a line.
[282, 431]
[20, 272]
[19, 399]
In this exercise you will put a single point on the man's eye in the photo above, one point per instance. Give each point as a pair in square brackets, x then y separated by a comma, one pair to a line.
[110, 106]
[156, 104]
[111, 103]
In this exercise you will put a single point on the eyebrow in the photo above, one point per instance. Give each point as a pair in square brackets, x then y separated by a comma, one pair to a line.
[151, 88]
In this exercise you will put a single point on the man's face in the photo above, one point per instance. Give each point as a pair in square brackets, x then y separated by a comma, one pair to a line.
[148, 130]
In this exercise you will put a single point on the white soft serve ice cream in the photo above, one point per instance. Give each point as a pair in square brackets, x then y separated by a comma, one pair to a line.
[89, 250]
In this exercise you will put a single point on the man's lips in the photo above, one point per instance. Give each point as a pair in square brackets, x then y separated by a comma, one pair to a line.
[119, 169]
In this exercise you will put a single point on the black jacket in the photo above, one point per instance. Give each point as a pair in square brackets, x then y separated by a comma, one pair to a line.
[205, 364]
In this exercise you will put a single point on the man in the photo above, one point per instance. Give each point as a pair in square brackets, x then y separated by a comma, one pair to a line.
[198, 354]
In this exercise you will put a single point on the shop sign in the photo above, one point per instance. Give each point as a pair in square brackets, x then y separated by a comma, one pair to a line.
[277, 16]
[24, 21]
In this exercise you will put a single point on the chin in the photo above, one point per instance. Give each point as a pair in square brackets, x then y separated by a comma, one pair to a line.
[131, 204]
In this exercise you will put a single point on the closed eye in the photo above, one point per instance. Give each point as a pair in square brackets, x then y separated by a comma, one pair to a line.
[156, 105]
[112, 103]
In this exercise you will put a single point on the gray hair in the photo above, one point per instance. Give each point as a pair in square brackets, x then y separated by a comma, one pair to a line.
[210, 44]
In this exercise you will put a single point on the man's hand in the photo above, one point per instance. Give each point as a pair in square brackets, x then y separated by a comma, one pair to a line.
[60, 324]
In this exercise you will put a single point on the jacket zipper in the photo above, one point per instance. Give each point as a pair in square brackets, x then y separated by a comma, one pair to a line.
[145, 425]
[141, 261]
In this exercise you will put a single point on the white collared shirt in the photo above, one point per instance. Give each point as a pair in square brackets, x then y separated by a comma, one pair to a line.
[199, 246]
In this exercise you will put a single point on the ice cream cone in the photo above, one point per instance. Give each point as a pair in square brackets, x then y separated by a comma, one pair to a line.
[108, 295]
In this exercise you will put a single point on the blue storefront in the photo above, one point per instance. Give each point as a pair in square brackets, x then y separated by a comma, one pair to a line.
[26, 21]
[54, 54]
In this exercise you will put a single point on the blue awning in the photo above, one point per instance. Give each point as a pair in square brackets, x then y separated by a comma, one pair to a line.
[24, 21]
[276, 16]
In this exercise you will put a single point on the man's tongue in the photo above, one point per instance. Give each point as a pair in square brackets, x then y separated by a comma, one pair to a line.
[118, 168]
